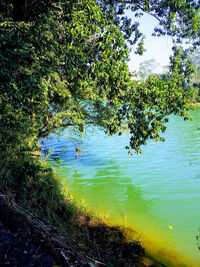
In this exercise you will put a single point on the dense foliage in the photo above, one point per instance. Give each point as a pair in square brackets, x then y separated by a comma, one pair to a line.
[64, 63]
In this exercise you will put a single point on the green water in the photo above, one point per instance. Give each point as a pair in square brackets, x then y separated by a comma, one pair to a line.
[157, 193]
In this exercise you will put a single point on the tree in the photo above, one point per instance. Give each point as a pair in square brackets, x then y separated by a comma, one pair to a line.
[64, 63]
[146, 68]
[195, 83]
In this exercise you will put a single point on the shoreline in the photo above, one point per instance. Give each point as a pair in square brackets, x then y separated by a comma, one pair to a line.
[46, 201]
[58, 247]
[51, 237]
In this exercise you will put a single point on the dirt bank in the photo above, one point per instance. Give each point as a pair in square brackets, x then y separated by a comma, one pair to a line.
[27, 240]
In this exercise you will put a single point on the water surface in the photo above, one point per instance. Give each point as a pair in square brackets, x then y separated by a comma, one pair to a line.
[157, 193]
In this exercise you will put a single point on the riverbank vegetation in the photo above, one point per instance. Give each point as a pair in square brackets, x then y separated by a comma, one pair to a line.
[64, 63]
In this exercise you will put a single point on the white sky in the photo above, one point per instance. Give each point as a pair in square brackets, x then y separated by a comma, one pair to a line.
[158, 48]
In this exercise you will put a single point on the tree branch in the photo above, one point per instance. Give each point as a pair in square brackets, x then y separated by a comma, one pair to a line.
[149, 13]
[45, 132]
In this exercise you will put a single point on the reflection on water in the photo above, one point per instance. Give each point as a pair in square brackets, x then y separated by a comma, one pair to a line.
[158, 192]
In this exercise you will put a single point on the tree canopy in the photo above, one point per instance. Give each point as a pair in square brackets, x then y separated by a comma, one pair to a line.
[65, 63]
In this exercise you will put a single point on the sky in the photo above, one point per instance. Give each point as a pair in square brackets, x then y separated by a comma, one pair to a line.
[158, 48]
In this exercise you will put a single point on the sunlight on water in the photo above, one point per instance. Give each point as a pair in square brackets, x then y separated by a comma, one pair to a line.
[158, 192]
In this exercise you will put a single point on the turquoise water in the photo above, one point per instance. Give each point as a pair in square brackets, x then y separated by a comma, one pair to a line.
[157, 193]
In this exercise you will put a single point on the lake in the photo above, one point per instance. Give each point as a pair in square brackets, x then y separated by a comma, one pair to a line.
[157, 193]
